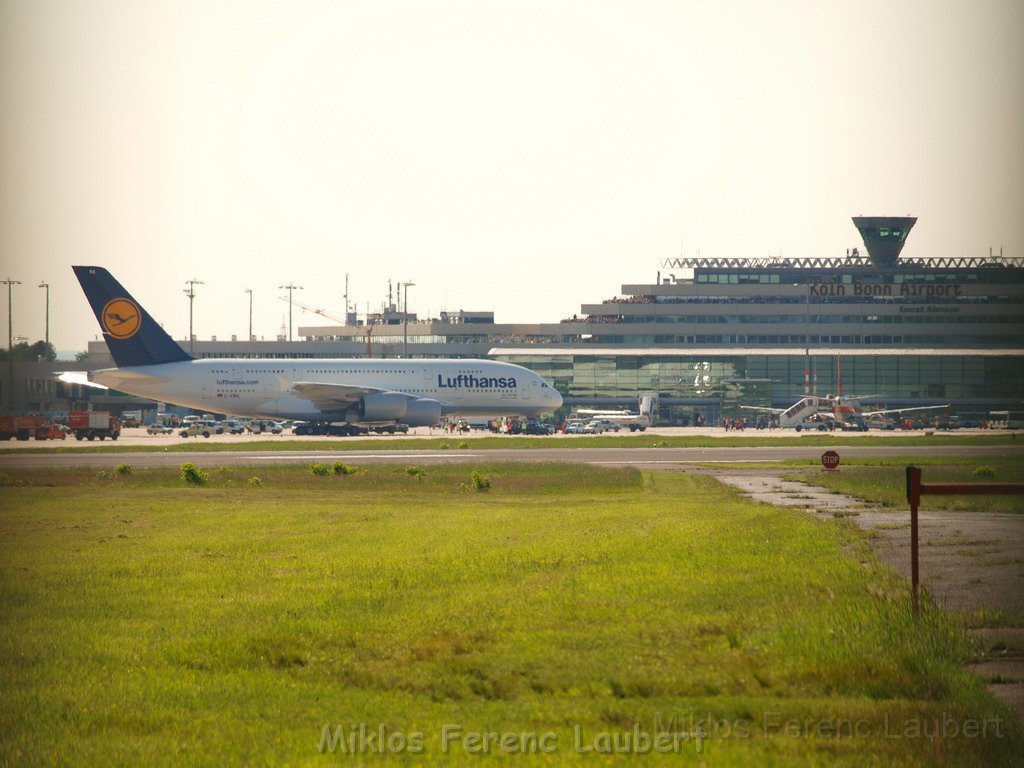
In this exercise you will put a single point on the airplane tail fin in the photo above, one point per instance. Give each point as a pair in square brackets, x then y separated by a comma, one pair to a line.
[134, 338]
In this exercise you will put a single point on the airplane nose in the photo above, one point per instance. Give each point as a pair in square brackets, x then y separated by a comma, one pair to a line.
[556, 397]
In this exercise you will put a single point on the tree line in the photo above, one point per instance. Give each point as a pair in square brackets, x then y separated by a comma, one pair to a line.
[25, 352]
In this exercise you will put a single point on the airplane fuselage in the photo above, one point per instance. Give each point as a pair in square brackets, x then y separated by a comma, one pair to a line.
[262, 388]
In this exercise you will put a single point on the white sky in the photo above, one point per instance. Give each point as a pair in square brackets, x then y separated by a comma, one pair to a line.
[524, 157]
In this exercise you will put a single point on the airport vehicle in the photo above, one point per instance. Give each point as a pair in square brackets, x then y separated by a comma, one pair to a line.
[131, 419]
[19, 427]
[197, 429]
[640, 420]
[234, 427]
[600, 426]
[1005, 419]
[390, 429]
[51, 432]
[534, 427]
[971, 419]
[364, 392]
[26, 427]
[159, 429]
[883, 423]
[259, 426]
[88, 425]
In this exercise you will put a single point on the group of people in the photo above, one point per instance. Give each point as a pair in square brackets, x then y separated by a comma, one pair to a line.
[644, 299]
[741, 424]
[451, 426]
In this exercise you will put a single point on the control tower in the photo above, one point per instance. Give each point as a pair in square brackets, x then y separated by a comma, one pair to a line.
[884, 236]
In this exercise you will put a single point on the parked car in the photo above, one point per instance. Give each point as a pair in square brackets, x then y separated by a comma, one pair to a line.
[264, 425]
[159, 429]
[234, 427]
[197, 429]
[599, 426]
[534, 427]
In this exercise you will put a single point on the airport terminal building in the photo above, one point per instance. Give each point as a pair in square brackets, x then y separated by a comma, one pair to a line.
[709, 334]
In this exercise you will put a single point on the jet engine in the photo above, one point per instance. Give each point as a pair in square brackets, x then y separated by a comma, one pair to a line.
[387, 406]
[422, 412]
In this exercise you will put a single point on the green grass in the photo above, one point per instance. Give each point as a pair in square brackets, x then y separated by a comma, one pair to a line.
[581, 441]
[887, 485]
[145, 620]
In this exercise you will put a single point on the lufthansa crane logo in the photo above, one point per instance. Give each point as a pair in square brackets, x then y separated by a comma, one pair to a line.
[121, 318]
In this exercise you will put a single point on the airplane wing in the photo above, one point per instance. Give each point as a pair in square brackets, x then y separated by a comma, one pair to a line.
[763, 409]
[332, 397]
[868, 414]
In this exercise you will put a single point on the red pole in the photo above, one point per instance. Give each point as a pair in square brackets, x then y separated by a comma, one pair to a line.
[914, 490]
[914, 497]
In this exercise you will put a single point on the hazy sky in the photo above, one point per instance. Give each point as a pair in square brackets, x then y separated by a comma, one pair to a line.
[524, 157]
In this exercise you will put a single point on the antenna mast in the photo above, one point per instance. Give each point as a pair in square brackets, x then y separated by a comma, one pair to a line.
[346, 298]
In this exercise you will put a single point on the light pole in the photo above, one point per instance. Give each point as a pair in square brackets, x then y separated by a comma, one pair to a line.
[10, 344]
[191, 293]
[405, 319]
[807, 336]
[807, 339]
[291, 287]
[47, 287]
[249, 291]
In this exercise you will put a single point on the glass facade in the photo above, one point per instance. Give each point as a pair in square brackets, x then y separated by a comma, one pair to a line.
[779, 377]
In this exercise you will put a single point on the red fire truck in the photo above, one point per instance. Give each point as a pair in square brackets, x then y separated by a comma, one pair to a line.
[88, 425]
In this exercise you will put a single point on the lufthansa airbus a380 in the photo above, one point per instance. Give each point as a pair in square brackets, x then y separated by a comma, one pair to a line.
[321, 392]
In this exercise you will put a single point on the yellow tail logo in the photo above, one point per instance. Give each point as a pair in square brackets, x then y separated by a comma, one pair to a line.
[121, 318]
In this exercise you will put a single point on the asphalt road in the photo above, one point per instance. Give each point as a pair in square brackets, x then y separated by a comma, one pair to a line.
[647, 457]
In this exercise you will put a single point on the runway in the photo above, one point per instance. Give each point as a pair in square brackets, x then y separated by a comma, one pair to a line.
[642, 457]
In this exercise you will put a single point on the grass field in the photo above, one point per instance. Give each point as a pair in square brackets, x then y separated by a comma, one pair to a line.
[456, 442]
[146, 620]
[884, 482]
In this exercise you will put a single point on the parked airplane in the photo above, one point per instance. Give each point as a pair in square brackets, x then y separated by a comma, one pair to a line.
[321, 392]
[642, 419]
[813, 412]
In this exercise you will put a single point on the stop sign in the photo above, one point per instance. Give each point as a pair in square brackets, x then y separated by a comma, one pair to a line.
[830, 459]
